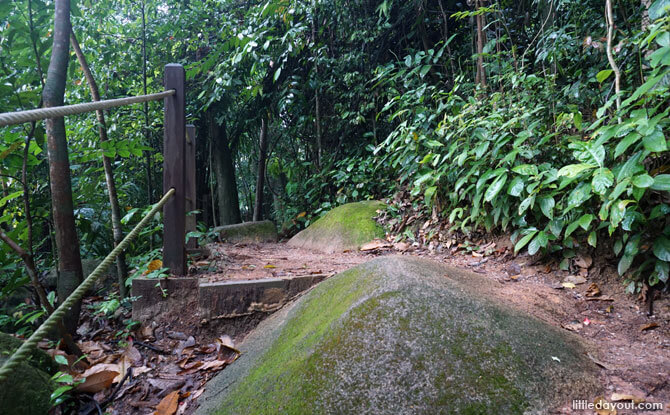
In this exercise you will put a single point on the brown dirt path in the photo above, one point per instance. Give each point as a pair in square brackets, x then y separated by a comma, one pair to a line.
[632, 348]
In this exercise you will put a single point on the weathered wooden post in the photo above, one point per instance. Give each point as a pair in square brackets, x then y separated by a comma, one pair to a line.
[190, 185]
[174, 146]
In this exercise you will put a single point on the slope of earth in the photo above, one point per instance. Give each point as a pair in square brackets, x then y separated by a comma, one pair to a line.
[401, 334]
[177, 355]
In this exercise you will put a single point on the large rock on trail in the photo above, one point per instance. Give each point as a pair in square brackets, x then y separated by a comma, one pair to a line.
[248, 232]
[346, 227]
[28, 389]
[402, 335]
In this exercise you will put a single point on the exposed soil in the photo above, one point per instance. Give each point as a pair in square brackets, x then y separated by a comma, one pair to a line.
[271, 260]
[179, 354]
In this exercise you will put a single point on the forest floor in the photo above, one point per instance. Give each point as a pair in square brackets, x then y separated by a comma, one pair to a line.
[173, 361]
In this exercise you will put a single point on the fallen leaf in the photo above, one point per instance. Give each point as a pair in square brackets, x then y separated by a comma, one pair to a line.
[568, 285]
[169, 404]
[574, 279]
[190, 368]
[609, 309]
[98, 381]
[133, 355]
[649, 326]
[301, 215]
[374, 245]
[593, 290]
[572, 326]
[124, 364]
[269, 266]
[584, 261]
[616, 397]
[214, 365]
[600, 404]
[154, 265]
[146, 332]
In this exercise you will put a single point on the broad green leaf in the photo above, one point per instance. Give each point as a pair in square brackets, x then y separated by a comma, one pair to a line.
[662, 269]
[572, 170]
[629, 253]
[643, 89]
[617, 212]
[630, 167]
[547, 206]
[540, 241]
[585, 221]
[655, 142]
[495, 188]
[643, 181]
[662, 248]
[658, 9]
[515, 187]
[9, 197]
[604, 74]
[603, 179]
[524, 241]
[555, 227]
[527, 202]
[424, 70]
[628, 141]
[660, 56]
[526, 170]
[571, 228]
[661, 182]
[579, 195]
[593, 239]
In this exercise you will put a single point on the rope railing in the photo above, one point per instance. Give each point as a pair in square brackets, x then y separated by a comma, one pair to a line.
[24, 351]
[18, 117]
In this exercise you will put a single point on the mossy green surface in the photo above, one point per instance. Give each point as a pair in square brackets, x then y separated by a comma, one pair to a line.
[248, 232]
[401, 335]
[28, 389]
[346, 227]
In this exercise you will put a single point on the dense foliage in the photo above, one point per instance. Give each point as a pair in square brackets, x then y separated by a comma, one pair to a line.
[500, 116]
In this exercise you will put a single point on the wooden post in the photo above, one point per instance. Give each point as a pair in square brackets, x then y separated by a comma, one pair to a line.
[174, 146]
[190, 192]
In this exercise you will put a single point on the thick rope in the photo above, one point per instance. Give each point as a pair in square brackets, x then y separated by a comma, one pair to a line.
[11, 118]
[23, 352]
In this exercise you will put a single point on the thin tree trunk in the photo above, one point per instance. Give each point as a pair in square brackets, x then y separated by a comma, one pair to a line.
[610, 56]
[67, 241]
[260, 178]
[317, 110]
[146, 108]
[224, 171]
[117, 232]
[481, 72]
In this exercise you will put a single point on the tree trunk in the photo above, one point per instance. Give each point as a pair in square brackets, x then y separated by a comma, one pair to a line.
[67, 241]
[317, 110]
[609, 19]
[481, 72]
[260, 178]
[122, 269]
[147, 139]
[224, 172]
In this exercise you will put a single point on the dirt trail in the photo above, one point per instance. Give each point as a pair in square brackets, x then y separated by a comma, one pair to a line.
[178, 353]
[632, 348]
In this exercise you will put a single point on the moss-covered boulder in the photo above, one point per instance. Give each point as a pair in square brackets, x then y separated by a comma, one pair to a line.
[248, 232]
[346, 227]
[28, 389]
[402, 335]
